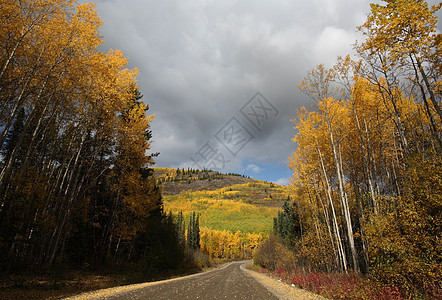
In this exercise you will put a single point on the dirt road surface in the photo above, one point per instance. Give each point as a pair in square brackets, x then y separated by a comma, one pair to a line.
[230, 282]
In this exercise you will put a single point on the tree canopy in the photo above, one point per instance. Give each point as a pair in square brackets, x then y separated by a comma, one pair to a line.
[74, 140]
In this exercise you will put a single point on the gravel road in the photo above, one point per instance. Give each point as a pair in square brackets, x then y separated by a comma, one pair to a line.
[230, 282]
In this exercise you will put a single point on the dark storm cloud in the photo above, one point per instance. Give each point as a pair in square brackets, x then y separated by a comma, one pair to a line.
[200, 61]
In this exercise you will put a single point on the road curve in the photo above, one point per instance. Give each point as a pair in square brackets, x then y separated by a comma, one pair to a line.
[229, 282]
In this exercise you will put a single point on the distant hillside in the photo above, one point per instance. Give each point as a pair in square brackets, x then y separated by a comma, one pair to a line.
[223, 201]
[175, 181]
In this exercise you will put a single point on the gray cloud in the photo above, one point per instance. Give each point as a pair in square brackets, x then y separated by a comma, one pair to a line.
[200, 61]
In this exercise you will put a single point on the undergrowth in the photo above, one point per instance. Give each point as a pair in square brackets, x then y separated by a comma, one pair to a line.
[336, 285]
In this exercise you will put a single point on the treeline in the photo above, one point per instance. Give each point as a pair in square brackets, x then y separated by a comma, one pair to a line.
[202, 245]
[225, 245]
[190, 175]
[75, 183]
[368, 165]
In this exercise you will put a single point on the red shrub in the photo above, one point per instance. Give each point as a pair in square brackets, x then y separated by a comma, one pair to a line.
[338, 286]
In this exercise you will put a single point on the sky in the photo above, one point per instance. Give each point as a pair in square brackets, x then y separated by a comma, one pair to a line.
[221, 77]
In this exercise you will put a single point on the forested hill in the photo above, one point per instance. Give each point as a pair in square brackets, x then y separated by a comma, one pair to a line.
[174, 181]
[235, 213]
[239, 187]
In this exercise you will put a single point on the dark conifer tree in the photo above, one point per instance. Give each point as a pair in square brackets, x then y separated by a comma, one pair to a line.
[287, 225]
[193, 232]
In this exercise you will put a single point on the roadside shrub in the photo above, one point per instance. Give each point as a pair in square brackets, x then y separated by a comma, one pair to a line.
[201, 260]
[337, 285]
[265, 254]
[271, 253]
[313, 254]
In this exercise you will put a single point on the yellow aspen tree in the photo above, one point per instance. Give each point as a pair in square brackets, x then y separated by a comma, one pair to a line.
[309, 156]
[345, 71]
[404, 35]
[318, 86]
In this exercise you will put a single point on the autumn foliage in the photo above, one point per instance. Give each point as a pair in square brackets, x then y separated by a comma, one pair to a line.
[234, 219]
[367, 169]
[225, 245]
[75, 187]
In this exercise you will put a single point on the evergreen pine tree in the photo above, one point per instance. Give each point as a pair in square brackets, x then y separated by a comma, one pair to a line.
[287, 225]
[193, 232]
[180, 225]
[197, 233]
[190, 232]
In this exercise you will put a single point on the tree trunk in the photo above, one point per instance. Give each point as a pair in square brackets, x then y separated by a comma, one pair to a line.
[334, 219]
[343, 195]
[429, 89]
[365, 156]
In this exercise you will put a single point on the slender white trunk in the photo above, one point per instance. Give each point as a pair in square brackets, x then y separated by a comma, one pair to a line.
[334, 219]
[343, 195]
[327, 221]
[18, 103]
[366, 160]
[428, 86]
[397, 115]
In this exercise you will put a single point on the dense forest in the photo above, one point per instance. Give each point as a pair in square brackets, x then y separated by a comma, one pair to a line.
[75, 184]
[368, 167]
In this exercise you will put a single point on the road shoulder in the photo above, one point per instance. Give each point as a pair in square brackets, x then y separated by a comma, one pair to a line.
[281, 290]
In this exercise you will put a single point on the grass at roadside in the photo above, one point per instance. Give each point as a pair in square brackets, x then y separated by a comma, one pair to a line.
[27, 286]
[65, 281]
[334, 285]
